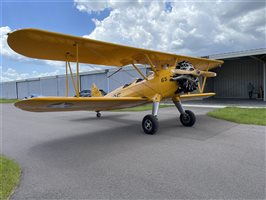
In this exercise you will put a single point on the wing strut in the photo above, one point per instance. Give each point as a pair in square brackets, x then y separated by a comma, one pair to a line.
[66, 80]
[176, 60]
[151, 64]
[72, 77]
[139, 71]
[77, 66]
[202, 86]
[77, 84]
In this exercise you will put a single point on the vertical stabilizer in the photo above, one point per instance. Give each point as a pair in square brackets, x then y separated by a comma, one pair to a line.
[95, 92]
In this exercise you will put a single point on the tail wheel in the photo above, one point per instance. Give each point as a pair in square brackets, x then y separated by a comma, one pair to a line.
[188, 118]
[150, 124]
[98, 114]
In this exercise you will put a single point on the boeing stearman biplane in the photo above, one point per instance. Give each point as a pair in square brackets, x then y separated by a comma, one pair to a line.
[173, 76]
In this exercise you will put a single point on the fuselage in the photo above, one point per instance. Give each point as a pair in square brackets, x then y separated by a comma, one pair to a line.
[159, 84]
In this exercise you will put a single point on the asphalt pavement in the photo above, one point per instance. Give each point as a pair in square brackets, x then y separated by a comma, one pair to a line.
[74, 155]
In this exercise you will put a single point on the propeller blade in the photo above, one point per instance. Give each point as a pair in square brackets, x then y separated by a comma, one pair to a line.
[195, 72]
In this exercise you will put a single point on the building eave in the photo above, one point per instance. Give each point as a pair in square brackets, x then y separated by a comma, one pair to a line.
[252, 52]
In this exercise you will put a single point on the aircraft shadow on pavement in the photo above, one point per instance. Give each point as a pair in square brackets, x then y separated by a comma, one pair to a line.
[107, 142]
[91, 147]
[94, 118]
[204, 128]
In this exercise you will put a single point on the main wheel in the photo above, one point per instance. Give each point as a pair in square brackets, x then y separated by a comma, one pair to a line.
[98, 115]
[188, 118]
[150, 124]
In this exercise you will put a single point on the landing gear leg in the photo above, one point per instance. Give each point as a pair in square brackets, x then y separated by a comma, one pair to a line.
[187, 117]
[150, 122]
[98, 114]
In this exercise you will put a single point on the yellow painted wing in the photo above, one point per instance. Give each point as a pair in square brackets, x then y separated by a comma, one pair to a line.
[52, 104]
[42, 44]
[186, 97]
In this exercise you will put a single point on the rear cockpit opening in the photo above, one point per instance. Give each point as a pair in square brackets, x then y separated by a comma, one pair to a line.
[139, 80]
[136, 81]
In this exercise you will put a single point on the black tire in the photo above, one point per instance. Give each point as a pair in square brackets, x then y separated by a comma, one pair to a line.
[98, 114]
[150, 124]
[188, 119]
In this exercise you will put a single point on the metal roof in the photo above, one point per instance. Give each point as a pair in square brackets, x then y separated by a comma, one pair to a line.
[252, 52]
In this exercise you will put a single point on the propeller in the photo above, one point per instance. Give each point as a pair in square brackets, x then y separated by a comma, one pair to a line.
[187, 77]
[195, 72]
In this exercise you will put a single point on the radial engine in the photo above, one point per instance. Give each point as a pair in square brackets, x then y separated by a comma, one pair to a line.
[186, 82]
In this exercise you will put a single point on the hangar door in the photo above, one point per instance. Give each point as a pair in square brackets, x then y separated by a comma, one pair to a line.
[234, 76]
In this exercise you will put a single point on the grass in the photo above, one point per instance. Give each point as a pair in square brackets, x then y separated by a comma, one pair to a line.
[8, 100]
[255, 116]
[9, 176]
[142, 108]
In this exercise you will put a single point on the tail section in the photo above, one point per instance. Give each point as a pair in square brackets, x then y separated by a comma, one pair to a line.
[95, 92]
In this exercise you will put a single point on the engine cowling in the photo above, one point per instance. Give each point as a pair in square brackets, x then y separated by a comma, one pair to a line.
[186, 82]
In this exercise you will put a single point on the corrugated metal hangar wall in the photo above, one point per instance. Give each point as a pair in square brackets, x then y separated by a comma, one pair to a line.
[56, 86]
[234, 76]
[231, 82]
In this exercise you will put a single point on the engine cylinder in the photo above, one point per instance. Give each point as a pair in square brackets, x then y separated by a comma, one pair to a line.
[186, 82]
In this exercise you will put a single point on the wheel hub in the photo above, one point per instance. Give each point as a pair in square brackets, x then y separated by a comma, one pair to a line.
[148, 124]
[186, 118]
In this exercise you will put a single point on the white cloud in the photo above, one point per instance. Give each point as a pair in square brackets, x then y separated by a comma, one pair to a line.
[53, 63]
[11, 74]
[182, 27]
[100, 5]
[7, 52]
[5, 49]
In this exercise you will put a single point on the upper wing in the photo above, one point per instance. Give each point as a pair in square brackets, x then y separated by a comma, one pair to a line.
[56, 46]
[51, 104]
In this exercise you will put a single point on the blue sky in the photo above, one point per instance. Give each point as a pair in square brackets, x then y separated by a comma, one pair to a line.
[54, 16]
[194, 28]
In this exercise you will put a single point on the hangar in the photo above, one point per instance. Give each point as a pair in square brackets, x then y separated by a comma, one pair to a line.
[239, 69]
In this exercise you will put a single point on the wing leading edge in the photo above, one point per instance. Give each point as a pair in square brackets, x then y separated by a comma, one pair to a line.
[54, 104]
[186, 97]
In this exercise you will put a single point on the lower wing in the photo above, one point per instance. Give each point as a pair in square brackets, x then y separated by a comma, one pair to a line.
[52, 104]
[186, 97]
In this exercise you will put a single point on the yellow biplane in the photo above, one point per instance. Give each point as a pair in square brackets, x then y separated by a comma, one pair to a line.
[172, 76]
